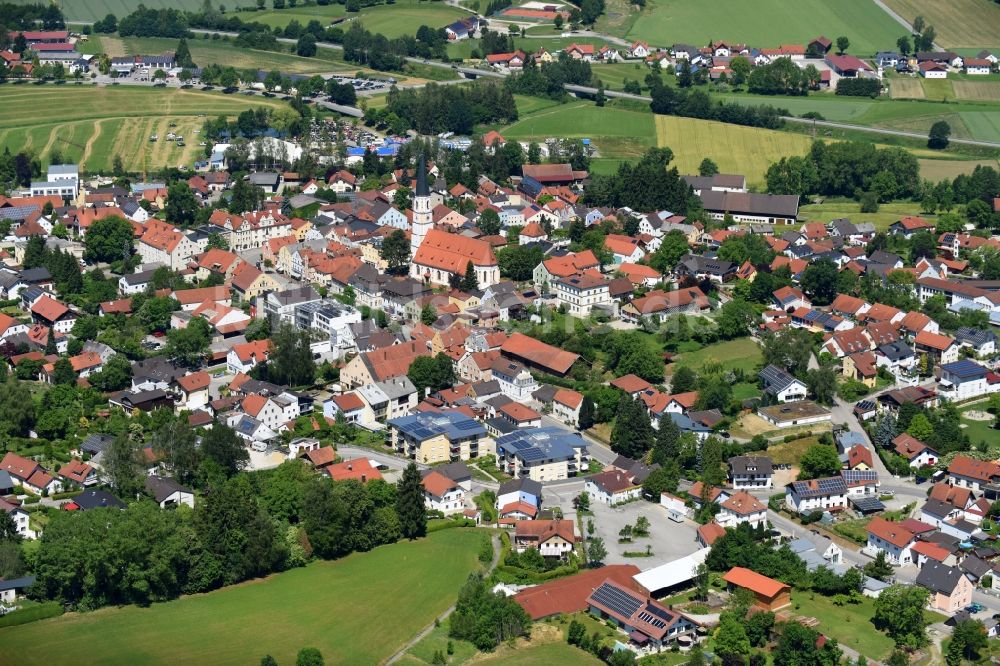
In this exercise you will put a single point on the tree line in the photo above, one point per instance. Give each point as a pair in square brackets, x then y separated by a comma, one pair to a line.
[670, 101]
[245, 525]
[434, 109]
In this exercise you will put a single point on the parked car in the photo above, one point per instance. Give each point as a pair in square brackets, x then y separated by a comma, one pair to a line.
[975, 607]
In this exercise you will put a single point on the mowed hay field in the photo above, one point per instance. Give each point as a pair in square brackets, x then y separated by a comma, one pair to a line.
[766, 23]
[904, 87]
[958, 23]
[935, 170]
[978, 91]
[358, 610]
[736, 149]
[90, 125]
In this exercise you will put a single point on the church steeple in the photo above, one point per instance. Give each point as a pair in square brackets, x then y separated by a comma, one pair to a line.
[422, 217]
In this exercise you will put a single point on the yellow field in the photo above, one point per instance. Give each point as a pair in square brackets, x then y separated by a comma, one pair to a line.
[958, 23]
[979, 91]
[904, 87]
[936, 170]
[744, 150]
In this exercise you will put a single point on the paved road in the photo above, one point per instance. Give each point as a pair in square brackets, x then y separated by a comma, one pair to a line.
[597, 449]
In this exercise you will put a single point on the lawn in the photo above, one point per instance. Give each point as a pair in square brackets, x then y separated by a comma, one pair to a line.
[91, 125]
[958, 23]
[850, 624]
[547, 647]
[766, 23]
[736, 149]
[980, 431]
[789, 453]
[741, 353]
[358, 610]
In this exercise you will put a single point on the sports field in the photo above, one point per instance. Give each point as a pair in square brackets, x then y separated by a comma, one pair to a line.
[736, 149]
[767, 23]
[958, 23]
[358, 610]
[90, 125]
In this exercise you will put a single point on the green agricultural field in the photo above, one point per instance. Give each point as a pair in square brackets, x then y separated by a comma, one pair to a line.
[358, 610]
[736, 149]
[93, 124]
[983, 125]
[905, 87]
[92, 10]
[978, 91]
[972, 24]
[938, 90]
[401, 18]
[617, 132]
[464, 48]
[767, 23]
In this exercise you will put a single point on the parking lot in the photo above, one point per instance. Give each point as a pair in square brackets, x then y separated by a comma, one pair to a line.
[667, 539]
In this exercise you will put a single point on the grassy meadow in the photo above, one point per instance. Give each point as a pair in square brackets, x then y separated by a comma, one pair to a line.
[90, 125]
[401, 18]
[358, 610]
[767, 23]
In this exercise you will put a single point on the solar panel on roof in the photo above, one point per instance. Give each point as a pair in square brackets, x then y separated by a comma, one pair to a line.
[656, 622]
[617, 600]
[866, 504]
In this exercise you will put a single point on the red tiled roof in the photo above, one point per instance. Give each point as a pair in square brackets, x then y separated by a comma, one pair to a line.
[194, 381]
[76, 470]
[709, 532]
[630, 383]
[568, 397]
[893, 533]
[543, 530]
[570, 594]
[452, 252]
[857, 455]
[539, 353]
[437, 484]
[18, 466]
[348, 402]
[755, 582]
[325, 455]
[933, 340]
[975, 469]
[359, 469]
[908, 446]
[49, 308]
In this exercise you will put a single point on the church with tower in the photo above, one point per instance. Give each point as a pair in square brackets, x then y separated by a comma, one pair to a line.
[437, 255]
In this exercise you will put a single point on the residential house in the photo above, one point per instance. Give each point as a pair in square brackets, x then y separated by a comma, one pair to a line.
[916, 452]
[750, 472]
[612, 487]
[890, 538]
[431, 437]
[552, 538]
[962, 380]
[542, 454]
[967, 472]
[741, 507]
[781, 385]
[168, 492]
[566, 406]
[649, 625]
[950, 589]
[826, 494]
[442, 494]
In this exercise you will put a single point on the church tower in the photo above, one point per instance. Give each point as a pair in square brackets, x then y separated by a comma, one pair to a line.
[422, 218]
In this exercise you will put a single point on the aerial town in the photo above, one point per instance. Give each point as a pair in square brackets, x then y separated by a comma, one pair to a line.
[558, 333]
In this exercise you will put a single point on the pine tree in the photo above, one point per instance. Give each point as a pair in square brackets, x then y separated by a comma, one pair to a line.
[886, 431]
[50, 343]
[667, 446]
[586, 419]
[410, 504]
[469, 282]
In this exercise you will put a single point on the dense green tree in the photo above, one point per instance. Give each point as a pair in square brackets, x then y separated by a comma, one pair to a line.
[967, 639]
[181, 206]
[108, 239]
[819, 281]
[737, 319]
[291, 359]
[596, 551]
[664, 479]
[395, 251]
[489, 222]
[632, 434]
[188, 346]
[899, 611]
[797, 646]
[518, 262]
[819, 461]
[683, 380]
[822, 383]
[410, 504]
[114, 376]
[222, 448]
[121, 466]
[176, 443]
[731, 639]
[939, 135]
[484, 618]
[433, 372]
